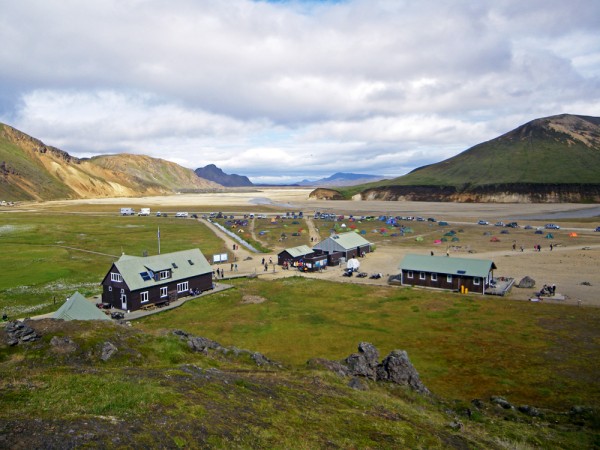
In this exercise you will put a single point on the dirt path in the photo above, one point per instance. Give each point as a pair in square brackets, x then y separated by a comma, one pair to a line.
[312, 230]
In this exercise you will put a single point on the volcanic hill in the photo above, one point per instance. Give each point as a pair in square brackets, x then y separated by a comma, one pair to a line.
[553, 159]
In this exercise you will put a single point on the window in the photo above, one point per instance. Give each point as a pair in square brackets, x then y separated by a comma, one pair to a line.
[449, 278]
[110, 289]
[116, 277]
[182, 287]
[476, 281]
[421, 275]
[163, 291]
[434, 277]
[164, 274]
[144, 296]
[409, 274]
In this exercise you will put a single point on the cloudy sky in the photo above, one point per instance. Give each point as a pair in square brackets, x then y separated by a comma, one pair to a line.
[286, 90]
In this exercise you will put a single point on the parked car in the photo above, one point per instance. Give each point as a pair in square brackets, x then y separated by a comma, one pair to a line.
[483, 222]
[499, 224]
[431, 219]
[512, 225]
[181, 214]
[597, 229]
[552, 226]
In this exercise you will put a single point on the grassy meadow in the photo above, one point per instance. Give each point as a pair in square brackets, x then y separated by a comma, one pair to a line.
[47, 256]
[463, 347]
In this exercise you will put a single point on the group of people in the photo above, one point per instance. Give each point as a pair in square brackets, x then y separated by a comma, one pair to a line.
[547, 290]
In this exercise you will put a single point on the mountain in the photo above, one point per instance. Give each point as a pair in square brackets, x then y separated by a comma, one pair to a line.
[552, 159]
[342, 179]
[31, 170]
[213, 173]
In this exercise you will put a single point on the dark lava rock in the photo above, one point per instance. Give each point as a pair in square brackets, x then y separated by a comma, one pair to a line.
[333, 366]
[529, 410]
[63, 344]
[397, 368]
[500, 401]
[526, 282]
[19, 332]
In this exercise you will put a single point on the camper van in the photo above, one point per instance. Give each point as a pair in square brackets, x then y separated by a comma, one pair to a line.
[127, 211]
[144, 212]
[181, 214]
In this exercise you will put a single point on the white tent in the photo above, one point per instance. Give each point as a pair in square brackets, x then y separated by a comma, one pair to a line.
[353, 264]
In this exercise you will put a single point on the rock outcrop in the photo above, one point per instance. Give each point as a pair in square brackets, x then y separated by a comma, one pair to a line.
[395, 368]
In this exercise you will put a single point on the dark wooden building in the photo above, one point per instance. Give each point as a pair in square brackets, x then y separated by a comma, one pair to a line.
[343, 246]
[445, 272]
[134, 282]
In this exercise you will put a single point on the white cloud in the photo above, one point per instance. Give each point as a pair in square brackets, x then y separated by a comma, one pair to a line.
[293, 87]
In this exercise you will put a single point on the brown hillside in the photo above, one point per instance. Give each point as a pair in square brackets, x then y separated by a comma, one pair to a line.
[32, 170]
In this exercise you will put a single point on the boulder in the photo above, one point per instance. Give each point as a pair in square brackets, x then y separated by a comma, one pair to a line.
[358, 384]
[500, 401]
[359, 366]
[529, 410]
[397, 368]
[202, 344]
[19, 332]
[108, 350]
[526, 282]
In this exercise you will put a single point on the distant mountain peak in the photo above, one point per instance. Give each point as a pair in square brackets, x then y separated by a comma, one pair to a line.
[212, 173]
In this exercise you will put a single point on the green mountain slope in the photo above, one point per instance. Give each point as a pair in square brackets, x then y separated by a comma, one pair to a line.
[553, 159]
[554, 150]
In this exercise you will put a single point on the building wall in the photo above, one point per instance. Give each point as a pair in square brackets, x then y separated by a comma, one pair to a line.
[442, 281]
[201, 282]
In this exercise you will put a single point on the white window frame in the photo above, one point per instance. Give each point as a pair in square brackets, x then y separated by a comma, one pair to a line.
[434, 277]
[409, 274]
[116, 277]
[164, 274]
[144, 297]
[183, 287]
[164, 291]
[422, 276]
[449, 278]
[476, 281]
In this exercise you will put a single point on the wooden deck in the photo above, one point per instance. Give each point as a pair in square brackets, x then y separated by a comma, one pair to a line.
[501, 286]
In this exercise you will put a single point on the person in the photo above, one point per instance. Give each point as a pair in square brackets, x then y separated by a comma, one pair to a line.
[263, 261]
[231, 268]
[522, 249]
[270, 261]
[266, 267]
[431, 252]
[222, 274]
[551, 246]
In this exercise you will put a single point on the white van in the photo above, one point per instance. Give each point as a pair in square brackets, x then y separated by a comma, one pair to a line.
[181, 214]
[127, 211]
[144, 212]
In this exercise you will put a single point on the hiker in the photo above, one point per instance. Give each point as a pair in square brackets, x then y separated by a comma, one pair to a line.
[431, 252]
[263, 261]
[222, 274]
[522, 249]
[551, 246]
[266, 267]
[514, 246]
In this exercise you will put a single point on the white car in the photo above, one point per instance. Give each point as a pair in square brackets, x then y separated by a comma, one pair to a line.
[181, 214]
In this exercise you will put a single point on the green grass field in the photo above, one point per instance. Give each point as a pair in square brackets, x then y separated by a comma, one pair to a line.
[463, 347]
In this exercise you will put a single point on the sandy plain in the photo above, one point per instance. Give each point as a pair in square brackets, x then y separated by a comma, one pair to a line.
[573, 265]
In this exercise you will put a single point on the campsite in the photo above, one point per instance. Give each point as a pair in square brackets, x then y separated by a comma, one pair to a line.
[465, 346]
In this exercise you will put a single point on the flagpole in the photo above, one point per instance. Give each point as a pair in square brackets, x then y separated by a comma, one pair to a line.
[159, 240]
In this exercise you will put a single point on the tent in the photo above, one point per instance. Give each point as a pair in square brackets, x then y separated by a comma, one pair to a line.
[455, 239]
[77, 307]
[419, 239]
[353, 264]
[549, 236]
[437, 242]
[573, 234]
[494, 239]
[444, 239]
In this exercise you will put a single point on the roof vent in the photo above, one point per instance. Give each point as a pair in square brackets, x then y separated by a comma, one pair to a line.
[191, 262]
[174, 265]
[461, 272]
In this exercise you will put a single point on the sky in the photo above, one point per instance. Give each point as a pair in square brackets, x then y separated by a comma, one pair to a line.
[282, 91]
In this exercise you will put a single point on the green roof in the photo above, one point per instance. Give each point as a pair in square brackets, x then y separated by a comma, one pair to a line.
[342, 242]
[448, 265]
[301, 250]
[138, 271]
[77, 307]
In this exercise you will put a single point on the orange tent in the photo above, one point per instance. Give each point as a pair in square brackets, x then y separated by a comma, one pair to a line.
[573, 234]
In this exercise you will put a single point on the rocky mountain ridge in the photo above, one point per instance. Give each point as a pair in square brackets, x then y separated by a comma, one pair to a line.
[32, 170]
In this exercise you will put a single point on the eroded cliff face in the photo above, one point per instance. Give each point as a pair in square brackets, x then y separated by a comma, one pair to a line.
[325, 194]
[513, 193]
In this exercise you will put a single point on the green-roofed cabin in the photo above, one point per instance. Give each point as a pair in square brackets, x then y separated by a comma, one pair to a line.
[445, 272]
[302, 257]
[134, 282]
[344, 245]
